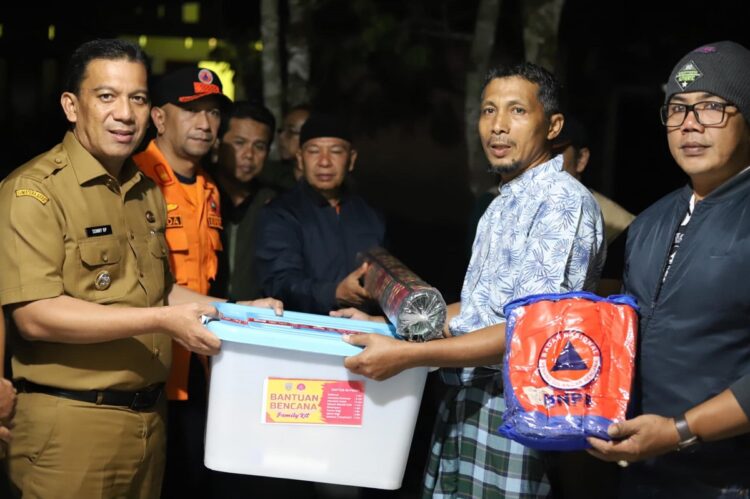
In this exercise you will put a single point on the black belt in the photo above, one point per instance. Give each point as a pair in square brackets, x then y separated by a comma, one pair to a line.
[142, 400]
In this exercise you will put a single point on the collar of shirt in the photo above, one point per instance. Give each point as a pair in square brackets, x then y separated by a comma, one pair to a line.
[521, 183]
[87, 168]
[724, 191]
[319, 199]
[185, 180]
[200, 176]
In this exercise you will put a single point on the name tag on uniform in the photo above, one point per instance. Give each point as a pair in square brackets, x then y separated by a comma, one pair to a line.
[174, 221]
[101, 230]
[214, 222]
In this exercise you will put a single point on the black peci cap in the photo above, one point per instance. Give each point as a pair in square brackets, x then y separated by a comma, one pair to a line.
[324, 125]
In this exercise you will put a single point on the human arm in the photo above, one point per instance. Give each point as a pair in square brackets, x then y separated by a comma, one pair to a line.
[7, 392]
[651, 435]
[2, 343]
[33, 260]
[384, 357]
[7, 409]
[65, 319]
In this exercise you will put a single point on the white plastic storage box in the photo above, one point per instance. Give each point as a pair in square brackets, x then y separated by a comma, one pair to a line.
[281, 403]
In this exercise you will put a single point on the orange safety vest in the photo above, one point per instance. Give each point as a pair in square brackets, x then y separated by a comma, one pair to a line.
[193, 238]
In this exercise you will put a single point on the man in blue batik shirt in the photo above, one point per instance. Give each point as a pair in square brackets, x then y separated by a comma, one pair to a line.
[542, 234]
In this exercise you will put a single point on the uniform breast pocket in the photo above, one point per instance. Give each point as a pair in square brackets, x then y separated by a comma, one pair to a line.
[101, 272]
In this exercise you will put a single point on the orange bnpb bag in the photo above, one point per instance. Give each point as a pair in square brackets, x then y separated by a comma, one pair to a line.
[568, 367]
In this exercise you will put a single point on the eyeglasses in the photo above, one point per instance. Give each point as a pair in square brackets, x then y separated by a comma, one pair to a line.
[707, 113]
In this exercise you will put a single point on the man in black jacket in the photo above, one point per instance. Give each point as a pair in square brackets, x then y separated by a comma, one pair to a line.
[309, 238]
[687, 264]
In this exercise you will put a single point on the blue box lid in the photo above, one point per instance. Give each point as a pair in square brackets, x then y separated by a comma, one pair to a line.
[291, 331]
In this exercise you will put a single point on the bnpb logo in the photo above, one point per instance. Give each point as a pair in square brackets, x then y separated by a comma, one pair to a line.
[205, 76]
[569, 360]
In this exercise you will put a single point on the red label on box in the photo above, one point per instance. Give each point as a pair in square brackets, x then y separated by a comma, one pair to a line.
[313, 401]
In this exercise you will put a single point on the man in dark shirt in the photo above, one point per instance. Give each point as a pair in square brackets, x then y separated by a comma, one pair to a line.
[309, 238]
[686, 263]
[242, 156]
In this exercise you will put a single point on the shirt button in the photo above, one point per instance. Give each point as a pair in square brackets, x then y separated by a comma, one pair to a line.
[141, 274]
[105, 257]
[150, 218]
[132, 236]
[157, 352]
[58, 160]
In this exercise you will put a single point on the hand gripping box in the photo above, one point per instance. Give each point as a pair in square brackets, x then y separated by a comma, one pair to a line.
[281, 403]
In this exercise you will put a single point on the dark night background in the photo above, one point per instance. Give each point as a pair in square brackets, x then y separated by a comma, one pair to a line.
[398, 69]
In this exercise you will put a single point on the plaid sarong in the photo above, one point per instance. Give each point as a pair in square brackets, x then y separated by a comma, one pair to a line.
[469, 459]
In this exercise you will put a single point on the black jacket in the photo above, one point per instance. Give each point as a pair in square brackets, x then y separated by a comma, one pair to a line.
[305, 248]
[241, 281]
[695, 327]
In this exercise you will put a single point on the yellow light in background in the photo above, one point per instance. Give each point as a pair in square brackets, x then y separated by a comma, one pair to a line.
[191, 12]
[188, 42]
[212, 43]
[161, 11]
[1, 30]
[142, 41]
[51, 32]
[225, 72]
[258, 46]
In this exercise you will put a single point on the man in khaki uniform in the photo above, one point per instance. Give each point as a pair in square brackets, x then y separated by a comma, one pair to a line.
[85, 277]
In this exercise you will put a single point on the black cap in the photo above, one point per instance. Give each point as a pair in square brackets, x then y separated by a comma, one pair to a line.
[188, 85]
[721, 68]
[324, 125]
[573, 134]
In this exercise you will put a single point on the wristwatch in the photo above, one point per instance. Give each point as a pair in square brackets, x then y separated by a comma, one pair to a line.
[687, 438]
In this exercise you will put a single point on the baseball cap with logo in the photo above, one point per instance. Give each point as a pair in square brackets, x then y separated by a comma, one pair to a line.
[187, 85]
[721, 68]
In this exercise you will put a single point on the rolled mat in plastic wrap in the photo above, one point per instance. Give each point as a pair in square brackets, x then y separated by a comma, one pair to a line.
[568, 368]
[413, 306]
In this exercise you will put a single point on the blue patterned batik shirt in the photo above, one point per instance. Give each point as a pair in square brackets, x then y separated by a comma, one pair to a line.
[542, 234]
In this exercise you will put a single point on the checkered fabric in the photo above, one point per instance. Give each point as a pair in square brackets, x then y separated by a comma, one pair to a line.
[469, 459]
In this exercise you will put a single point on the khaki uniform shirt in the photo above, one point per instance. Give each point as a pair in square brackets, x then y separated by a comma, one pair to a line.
[70, 228]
